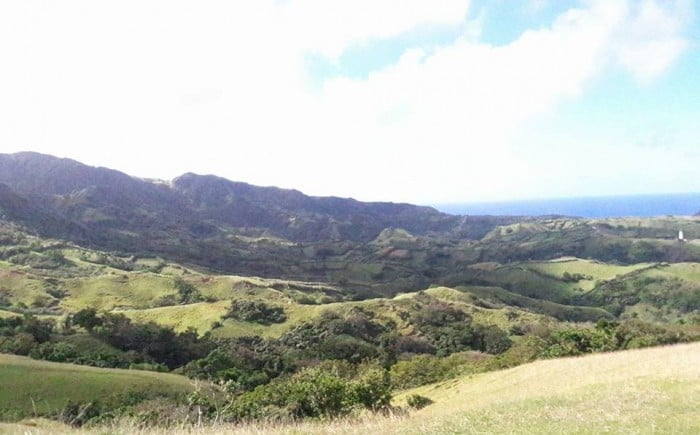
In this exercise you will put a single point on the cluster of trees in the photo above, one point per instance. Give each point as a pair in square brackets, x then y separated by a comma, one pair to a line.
[607, 336]
[22, 334]
[668, 293]
[158, 343]
[258, 312]
[124, 343]
[449, 329]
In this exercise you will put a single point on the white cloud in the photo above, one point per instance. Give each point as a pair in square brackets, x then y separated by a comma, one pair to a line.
[331, 26]
[156, 88]
[651, 38]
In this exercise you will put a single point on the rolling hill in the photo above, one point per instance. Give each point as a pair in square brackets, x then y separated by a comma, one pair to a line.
[254, 286]
[42, 388]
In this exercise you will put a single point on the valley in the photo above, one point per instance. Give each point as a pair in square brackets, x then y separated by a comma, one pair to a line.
[250, 304]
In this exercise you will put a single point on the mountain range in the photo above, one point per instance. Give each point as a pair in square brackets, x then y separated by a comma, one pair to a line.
[234, 227]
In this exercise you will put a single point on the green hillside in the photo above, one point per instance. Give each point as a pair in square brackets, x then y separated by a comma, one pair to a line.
[653, 390]
[41, 388]
[401, 310]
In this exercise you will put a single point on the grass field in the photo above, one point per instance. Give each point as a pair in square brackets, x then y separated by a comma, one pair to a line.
[107, 292]
[594, 269]
[655, 390]
[685, 271]
[497, 295]
[30, 387]
[200, 315]
[642, 391]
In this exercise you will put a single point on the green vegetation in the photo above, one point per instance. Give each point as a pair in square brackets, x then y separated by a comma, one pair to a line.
[397, 311]
[39, 388]
[637, 391]
[257, 312]
[328, 390]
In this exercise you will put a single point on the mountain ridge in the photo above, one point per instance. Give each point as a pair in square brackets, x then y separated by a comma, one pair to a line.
[71, 190]
[205, 219]
[372, 249]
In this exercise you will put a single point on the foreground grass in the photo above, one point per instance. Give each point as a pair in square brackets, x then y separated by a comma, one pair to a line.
[653, 390]
[29, 387]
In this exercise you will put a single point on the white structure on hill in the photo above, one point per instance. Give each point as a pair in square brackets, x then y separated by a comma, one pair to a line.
[680, 236]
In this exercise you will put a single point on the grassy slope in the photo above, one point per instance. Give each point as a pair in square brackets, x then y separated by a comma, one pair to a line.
[547, 274]
[537, 286]
[647, 390]
[655, 390]
[497, 295]
[642, 391]
[20, 286]
[180, 317]
[51, 385]
[595, 269]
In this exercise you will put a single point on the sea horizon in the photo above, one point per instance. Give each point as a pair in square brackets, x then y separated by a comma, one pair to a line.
[650, 205]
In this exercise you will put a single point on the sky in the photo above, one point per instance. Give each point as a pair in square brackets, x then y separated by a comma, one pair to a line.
[422, 101]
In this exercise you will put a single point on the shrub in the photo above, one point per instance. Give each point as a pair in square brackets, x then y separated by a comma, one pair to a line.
[187, 292]
[491, 339]
[416, 401]
[77, 413]
[87, 318]
[258, 312]
[426, 369]
[372, 388]
[314, 392]
[58, 352]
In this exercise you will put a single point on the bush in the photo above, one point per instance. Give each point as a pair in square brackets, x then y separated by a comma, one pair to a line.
[416, 401]
[314, 392]
[491, 339]
[58, 352]
[187, 292]
[427, 369]
[372, 388]
[258, 312]
[77, 413]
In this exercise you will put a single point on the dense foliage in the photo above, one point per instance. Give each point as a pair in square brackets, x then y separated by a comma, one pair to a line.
[258, 312]
[327, 390]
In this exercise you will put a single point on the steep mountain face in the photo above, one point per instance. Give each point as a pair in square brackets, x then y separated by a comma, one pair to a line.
[103, 199]
[16, 208]
[11, 204]
[202, 219]
[110, 208]
[293, 215]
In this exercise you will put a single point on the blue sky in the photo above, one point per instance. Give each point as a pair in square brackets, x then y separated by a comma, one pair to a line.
[415, 101]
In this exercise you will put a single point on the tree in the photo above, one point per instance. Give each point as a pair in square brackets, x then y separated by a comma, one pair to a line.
[87, 318]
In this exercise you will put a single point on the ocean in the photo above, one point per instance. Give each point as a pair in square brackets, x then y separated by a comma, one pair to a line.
[685, 204]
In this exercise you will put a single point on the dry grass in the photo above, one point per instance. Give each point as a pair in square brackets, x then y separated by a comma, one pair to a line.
[199, 315]
[5, 314]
